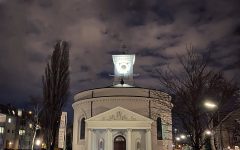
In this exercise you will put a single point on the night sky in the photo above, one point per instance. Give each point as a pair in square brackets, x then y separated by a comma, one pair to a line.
[155, 30]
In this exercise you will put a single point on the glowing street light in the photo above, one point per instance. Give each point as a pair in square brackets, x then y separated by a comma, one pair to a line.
[10, 144]
[182, 136]
[178, 138]
[210, 104]
[38, 142]
[208, 132]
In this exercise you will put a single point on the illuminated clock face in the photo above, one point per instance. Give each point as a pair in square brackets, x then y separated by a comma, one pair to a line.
[123, 67]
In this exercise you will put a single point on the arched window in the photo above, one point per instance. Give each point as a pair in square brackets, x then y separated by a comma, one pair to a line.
[101, 144]
[82, 129]
[159, 129]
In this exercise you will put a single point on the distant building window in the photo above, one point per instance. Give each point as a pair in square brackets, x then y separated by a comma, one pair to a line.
[9, 120]
[12, 131]
[101, 144]
[159, 129]
[82, 129]
[19, 112]
[21, 132]
[8, 131]
[1, 130]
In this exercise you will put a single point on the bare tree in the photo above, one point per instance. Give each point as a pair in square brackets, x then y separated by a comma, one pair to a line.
[55, 91]
[36, 123]
[32, 117]
[191, 87]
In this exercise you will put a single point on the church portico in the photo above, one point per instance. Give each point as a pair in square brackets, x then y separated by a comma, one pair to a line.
[119, 129]
[119, 139]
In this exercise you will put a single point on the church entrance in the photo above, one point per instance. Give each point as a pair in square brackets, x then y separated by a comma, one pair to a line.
[119, 143]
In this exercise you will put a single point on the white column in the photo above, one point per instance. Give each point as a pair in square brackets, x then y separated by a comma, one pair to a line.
[109, 139]
[94, 140]
[129, 139]
[89, 146]
[148, 140]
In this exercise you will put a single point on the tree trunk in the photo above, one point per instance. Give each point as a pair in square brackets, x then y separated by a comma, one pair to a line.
[221, 139]
[55, 131]
[212, 143]
[33, 140]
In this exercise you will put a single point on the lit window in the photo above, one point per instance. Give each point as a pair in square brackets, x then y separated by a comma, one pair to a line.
[21, 132]
[1, 130]
[30, 125]
[9, 120]
[19, 112]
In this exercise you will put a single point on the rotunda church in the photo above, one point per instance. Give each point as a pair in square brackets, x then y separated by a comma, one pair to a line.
[122, 116]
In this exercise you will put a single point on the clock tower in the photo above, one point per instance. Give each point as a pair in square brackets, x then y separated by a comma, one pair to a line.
[123, 69]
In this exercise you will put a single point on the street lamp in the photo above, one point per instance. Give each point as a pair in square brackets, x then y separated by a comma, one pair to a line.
[30, 112]
[210, 104]
[208, 132]
[182, 136]
[38, 142]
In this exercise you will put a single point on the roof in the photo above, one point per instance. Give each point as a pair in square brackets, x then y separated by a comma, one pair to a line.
[120, 92]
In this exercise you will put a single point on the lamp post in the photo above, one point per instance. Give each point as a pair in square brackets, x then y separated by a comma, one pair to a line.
[211, 106]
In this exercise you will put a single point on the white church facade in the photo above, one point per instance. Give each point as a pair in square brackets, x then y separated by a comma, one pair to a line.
[122, 117]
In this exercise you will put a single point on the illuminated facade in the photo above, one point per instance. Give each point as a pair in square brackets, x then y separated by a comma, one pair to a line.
[15, 132]
[122, 117]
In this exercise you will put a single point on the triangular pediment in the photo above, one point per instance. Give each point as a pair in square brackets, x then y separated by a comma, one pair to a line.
[119, 114]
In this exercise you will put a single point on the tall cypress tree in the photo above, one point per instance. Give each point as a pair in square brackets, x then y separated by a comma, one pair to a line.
[55, 91]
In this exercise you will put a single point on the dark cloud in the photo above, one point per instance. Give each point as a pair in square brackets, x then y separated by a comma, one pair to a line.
[104, 75]
[33, 28]
[236, 31]
[151, 53]
[45, 3]
[37, 57]
[84, 80]
[148, 69]
[155, 30]
[84, 68]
